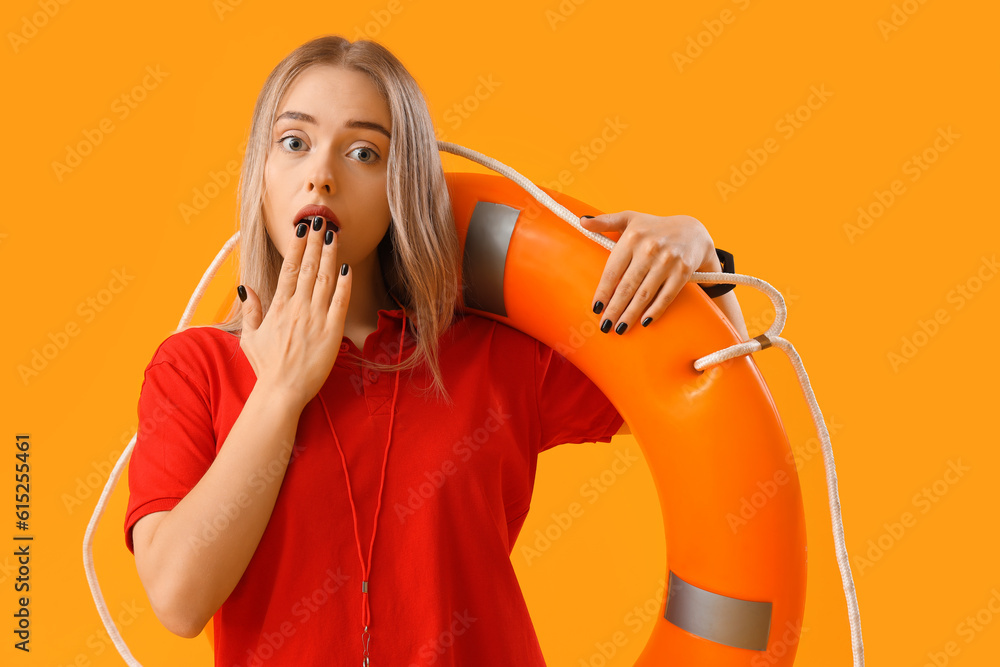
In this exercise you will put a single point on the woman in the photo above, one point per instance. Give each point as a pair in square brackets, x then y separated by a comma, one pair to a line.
[262, 474]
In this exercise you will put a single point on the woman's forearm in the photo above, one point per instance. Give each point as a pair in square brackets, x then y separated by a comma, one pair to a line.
[728, 304]
[201, 548]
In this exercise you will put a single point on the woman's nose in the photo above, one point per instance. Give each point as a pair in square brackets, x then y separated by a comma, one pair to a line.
[322, 177]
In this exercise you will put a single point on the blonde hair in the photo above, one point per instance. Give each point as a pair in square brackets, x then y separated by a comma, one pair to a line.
[419, 253]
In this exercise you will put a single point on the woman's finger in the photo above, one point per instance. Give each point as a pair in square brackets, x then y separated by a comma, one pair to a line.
[670, 289]
[326, 278]
[627, 287]
[614, 270]
[289, 275]
[644, 295]
[310, 261]
[337, 313]
[251, 308]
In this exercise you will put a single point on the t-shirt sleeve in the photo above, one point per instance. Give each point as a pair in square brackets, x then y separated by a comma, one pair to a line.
[175, 442]
[571, 408]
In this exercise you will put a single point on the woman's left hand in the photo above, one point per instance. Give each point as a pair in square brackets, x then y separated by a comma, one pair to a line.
[652, 260]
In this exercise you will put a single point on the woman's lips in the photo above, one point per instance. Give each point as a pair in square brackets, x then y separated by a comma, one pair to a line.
[311, 210]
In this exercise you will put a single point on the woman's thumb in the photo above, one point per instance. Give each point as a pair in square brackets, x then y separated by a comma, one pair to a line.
[251, 307]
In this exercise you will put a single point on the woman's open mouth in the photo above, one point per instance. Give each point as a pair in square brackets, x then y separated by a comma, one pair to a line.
[310, 212]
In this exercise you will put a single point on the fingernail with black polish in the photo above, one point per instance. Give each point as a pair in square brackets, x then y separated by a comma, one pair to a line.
[301, 230]
[598, 307]
[605, 326]
[343, 269]
[646, 321]
[317, 223]
[620, 329]
[329, 236]
[586, 216]
[242, 292]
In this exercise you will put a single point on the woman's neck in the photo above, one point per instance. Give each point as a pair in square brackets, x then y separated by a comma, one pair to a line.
[368, 296]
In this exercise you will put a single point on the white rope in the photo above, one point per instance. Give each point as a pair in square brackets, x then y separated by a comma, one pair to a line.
[88, 558]
[766, 340]
[532, 189]
[740, 349]
[207, 279]
[116, 472]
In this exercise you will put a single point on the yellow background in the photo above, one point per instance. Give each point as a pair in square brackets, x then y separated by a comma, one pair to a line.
[560, 71]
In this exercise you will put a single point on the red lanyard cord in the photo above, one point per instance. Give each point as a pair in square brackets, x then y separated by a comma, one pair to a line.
[366, 569]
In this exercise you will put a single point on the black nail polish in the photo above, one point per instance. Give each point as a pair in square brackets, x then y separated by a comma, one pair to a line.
[620, 329]
[586, 216]
[242, 292]
[605, 326]
[329, 236]
[646, 321]
[301, 230]
[598, 307]
[317, 223]
[343, 269]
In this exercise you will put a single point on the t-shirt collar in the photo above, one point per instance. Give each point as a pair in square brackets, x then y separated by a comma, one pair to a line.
[395, 313]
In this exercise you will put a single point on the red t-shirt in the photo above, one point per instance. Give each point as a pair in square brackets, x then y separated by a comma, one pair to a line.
[458, 485]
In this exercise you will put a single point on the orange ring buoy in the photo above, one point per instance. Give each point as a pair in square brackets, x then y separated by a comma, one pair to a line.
[708, 437]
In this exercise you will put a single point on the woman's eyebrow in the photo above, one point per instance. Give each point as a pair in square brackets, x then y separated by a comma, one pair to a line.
[363, 124]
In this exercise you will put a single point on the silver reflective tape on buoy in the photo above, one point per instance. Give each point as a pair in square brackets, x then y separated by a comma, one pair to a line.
[486, 244]
[721, 619]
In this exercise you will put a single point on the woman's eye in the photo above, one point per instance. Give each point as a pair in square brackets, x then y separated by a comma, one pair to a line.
[369, 154]
[291, 136]
[366, 154]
